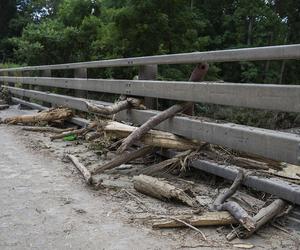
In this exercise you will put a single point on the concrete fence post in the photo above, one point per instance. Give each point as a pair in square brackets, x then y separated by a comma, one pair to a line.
[80, 73]
[149, 72]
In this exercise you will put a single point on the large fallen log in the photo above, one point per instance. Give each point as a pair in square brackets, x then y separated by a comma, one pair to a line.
[233, 207]
[162, 190]
[205, 219]
[83, 170]
[152, 137]
[261, 218]
[116, 107]
[50, 115]
[123, 158]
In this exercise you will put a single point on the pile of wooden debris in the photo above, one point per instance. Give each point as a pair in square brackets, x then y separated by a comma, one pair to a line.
[130, 143]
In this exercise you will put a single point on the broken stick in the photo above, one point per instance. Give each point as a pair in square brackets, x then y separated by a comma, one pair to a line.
[162, 190]
[124, 158]
[114, 108]
[47, 129]
[233, 207]
[261, 218]
[83, 170]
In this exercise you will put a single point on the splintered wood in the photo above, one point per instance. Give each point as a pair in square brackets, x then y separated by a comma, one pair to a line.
[205, 219]
[50, 115]
[162, 190]
[150, 124]
[155, 138]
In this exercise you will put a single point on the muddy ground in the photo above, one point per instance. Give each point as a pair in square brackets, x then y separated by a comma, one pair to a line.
[45, 204]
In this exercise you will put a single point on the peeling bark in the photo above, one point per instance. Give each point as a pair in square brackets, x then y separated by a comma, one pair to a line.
[162, 190]
[44, 116]
[205, 219]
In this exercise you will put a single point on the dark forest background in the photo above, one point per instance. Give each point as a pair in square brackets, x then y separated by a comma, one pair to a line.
[35, 32]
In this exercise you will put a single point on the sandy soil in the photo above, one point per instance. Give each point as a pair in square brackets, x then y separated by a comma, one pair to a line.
[44, 203]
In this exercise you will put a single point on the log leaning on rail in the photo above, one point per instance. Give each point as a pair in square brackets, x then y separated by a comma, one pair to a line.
[198, 74]
[271, 144]
[116, 107]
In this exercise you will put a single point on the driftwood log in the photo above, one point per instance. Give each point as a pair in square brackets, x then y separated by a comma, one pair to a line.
[47, 129]
[50, 115]
[83, 170]
[205, 219]
[162, 190]
[261, 218]
[233, 207]
[116, 107]
[123, 158]
[150, 124]
[152, 137]
[197, 75]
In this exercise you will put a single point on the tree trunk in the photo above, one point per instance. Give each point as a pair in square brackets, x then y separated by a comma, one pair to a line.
[44, 116]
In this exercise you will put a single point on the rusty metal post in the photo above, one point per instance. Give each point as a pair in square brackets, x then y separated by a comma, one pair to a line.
[149, 72]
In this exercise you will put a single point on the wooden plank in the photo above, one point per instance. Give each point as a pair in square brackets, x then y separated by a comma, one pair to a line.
[259, 96]
[263, 142]
[280, 52]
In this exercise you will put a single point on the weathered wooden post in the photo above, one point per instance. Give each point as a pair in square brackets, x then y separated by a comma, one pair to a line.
[80, 73]
[149, 72]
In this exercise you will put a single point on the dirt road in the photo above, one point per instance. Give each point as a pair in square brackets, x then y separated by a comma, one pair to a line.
[41, 208]
[45, 205]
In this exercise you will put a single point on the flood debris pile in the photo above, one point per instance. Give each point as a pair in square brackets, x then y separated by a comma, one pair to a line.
[154, 176]
[228, 206]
